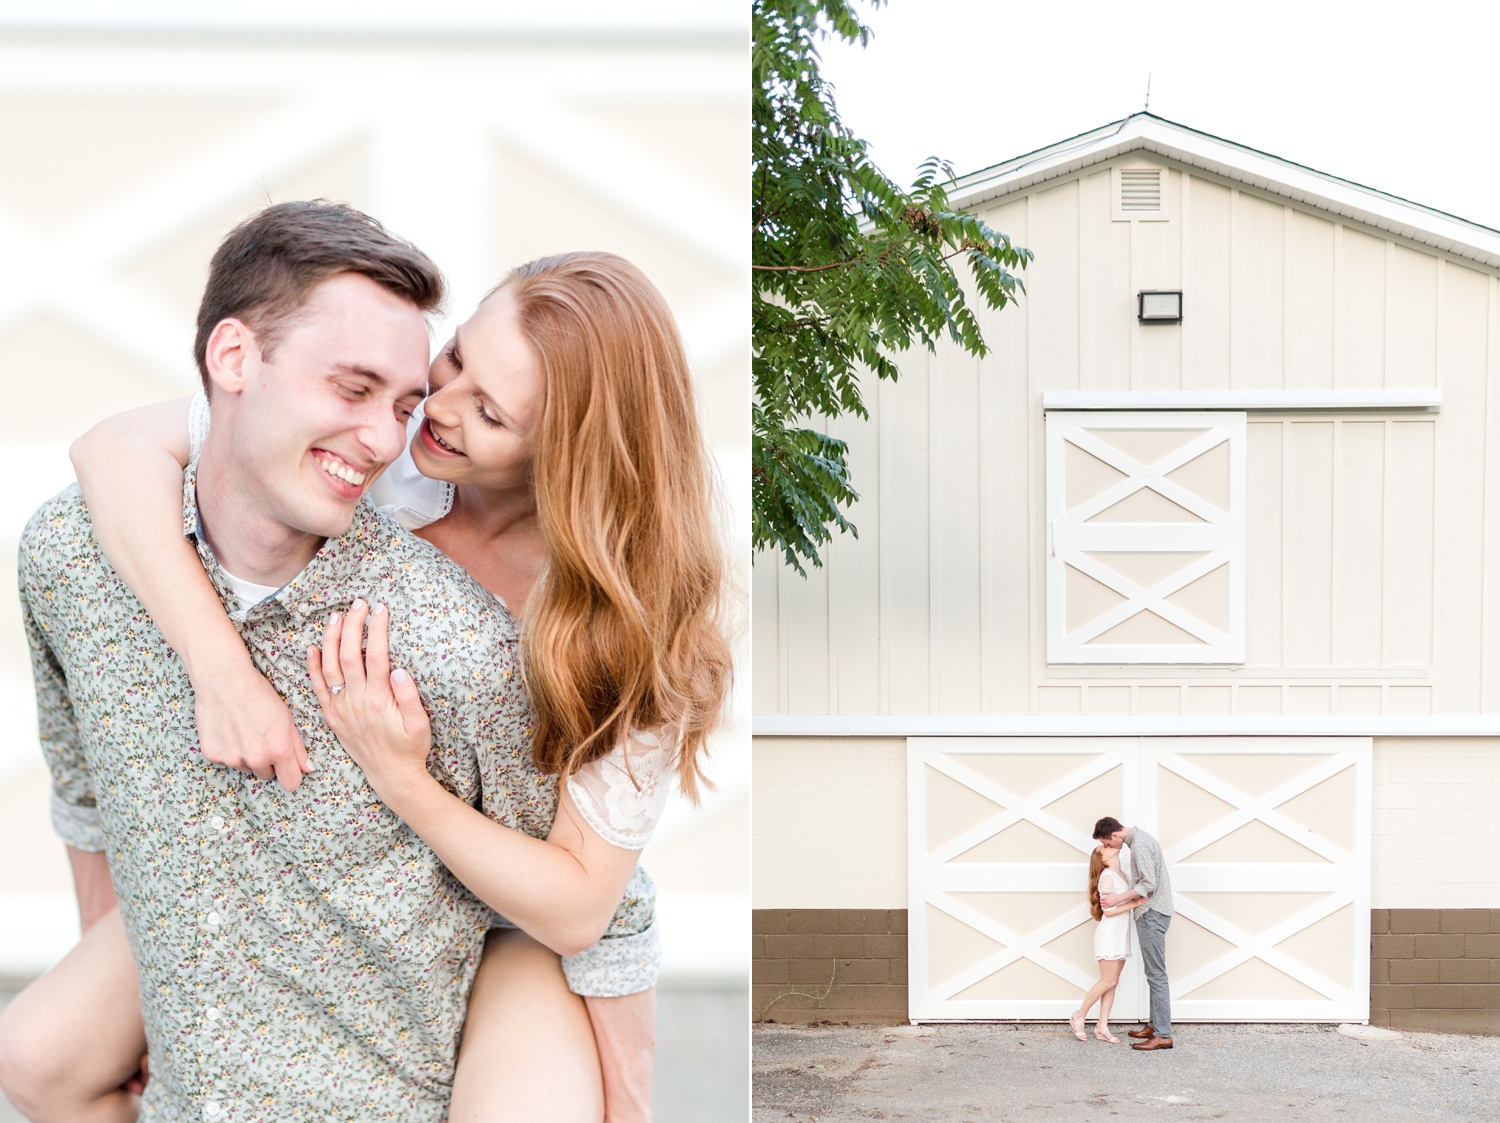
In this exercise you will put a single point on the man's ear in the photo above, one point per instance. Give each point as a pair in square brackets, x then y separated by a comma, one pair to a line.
[230, 346]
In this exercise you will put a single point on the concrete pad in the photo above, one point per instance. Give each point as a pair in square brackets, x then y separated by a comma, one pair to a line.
[1369, 1033]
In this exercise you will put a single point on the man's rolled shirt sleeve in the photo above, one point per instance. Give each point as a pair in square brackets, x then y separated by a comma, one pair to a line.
[75, 814]
[627, 958]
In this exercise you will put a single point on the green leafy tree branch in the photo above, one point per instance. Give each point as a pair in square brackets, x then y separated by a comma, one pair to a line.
[849, 270]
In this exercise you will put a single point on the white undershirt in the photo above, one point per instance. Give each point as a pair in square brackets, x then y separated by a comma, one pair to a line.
[247, 594]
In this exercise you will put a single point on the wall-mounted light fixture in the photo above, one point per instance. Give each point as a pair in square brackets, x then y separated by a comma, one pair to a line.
[1159, 307]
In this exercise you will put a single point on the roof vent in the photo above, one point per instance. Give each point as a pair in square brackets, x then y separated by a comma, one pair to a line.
[1138, 194]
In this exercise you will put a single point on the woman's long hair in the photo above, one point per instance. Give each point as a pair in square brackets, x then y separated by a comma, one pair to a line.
[625, 627]
[1096, 867]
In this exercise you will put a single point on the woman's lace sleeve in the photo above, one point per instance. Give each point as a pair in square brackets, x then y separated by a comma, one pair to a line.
[622, 795]
[197, 425]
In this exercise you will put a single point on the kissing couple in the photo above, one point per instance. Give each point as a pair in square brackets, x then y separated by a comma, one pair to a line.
[362, 686]
[1112, 901]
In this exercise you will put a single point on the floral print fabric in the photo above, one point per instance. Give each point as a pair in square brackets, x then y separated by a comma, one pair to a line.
[302, 955]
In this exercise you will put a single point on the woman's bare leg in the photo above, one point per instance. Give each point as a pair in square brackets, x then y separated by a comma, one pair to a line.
[70, 1040]
[528, 1051]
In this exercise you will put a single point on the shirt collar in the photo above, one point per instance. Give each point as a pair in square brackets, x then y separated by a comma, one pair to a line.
[333, 576]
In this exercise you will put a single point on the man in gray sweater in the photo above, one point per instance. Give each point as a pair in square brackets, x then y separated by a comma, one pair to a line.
[1150, 883]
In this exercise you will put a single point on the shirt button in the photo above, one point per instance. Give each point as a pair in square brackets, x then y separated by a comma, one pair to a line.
[213, 919]
[211, 1108]
[217, 822]
[213, 1013]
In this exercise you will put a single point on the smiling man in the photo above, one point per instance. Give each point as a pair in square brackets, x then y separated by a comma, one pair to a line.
[301, 953]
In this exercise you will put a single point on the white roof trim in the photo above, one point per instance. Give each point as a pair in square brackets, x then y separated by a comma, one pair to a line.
[995, 725]
[1143, 132]
[1243, 399]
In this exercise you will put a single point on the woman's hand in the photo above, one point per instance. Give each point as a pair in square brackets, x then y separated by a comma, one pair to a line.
[375, 712]
[244, 724]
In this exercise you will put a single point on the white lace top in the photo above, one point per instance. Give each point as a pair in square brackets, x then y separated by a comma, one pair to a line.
[621, 798]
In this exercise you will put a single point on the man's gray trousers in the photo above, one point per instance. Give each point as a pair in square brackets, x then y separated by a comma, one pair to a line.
[1151, 928]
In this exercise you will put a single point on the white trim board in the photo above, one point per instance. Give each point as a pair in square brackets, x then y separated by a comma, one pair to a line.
[1235, 162]
[1431, 400]
[1024, 725]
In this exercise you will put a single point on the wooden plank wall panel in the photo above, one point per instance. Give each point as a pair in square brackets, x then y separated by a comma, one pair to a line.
[854, 567]
[1309, 301]
[765, 635]
[1105, 309]
[1460, 488]
[1205, 298]
[1411, 324]
[1307, 563]
[1361, 312]
[1409, 507]
[1005, 394]
[1359, 541]
[905, 591]
[1156, 263]
[956, 674]
[1263, 543]
[1257, 290]
[807, 650]
[1053, 281]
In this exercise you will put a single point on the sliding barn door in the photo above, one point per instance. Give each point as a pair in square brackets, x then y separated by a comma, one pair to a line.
[1267, 840]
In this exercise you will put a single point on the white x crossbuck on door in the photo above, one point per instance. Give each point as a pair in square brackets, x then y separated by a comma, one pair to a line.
[1267, 841]
[1146, 537]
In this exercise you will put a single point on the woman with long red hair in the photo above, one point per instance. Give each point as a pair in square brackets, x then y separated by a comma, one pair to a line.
[1111, 942]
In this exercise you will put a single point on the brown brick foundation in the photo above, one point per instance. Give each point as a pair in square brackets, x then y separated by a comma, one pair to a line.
[1435, 969]
[1430, 969]
[796, 952]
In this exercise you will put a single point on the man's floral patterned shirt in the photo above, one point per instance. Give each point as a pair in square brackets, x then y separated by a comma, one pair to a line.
[302, 955]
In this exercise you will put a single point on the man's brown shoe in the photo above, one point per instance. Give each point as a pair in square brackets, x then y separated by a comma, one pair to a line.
[1144, 1031]
[1153, 1043]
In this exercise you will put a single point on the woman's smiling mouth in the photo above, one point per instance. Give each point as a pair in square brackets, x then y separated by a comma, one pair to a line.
[436, 443]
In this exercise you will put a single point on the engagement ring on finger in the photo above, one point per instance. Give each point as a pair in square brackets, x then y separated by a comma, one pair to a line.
[335, 688]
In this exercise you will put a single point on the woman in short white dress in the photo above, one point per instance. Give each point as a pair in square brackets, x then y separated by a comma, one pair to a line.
[1111, 942]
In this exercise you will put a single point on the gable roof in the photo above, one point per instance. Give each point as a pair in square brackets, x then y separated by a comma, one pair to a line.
[1149, 133]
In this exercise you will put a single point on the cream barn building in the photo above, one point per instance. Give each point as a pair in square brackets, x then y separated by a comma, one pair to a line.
[1211, 542]
[134, 135]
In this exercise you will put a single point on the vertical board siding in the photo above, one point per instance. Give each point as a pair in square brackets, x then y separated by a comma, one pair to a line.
[1263, 614]
[1412, 319]
[807, 653]
[1359, 540]
[1361, 313]
[1307, 563]
[955, 671]
[1156, 263]
[1258, 301]
[1460, 488]
[1309, 301]
[1409, 543]
[905, 576]
[1053, 283]
[1366, 534]
[1205, 298]
[1105, 298]
[854, 576]
[1008, 549]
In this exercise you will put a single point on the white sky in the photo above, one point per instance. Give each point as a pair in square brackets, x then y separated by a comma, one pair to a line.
[1404, 99]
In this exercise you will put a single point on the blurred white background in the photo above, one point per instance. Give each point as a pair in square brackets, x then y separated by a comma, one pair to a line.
[134, 134]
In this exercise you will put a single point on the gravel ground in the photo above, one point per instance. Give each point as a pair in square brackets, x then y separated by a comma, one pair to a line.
[703, 1041]
[1038, 1073]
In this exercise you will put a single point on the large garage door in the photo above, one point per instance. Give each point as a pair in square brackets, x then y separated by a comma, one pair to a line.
[1268, 840]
